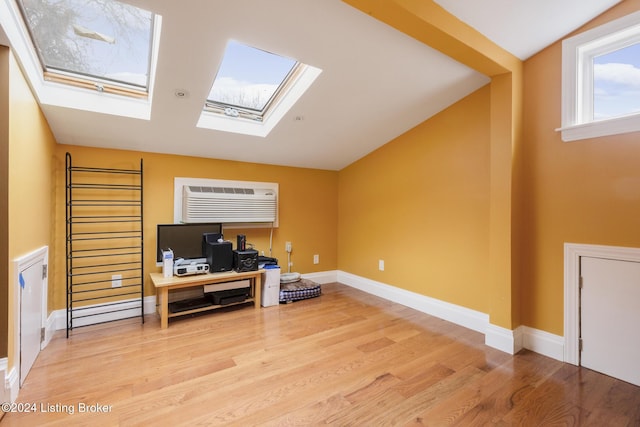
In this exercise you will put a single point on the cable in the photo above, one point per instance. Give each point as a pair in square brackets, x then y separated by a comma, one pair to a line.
[271, 242]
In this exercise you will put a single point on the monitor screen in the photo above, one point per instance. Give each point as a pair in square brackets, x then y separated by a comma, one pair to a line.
[185, 240]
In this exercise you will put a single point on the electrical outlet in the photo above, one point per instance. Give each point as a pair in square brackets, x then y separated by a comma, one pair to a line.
[381, 264]
[287, 247]
[316, 259]
[116, 281]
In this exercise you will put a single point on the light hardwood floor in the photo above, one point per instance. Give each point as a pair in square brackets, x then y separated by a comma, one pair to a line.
[346, 359]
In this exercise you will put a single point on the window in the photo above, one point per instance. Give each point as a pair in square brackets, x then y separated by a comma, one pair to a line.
[253, 89]
[616, 83]
[103, 45]
[248, 81]
[601, 80]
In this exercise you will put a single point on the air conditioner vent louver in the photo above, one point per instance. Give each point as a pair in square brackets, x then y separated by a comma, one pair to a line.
[221, 190]
[228, 204]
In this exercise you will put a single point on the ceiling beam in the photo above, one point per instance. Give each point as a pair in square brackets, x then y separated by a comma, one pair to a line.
[431, 24]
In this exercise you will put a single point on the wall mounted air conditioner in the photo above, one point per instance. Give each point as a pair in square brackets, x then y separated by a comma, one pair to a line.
[228, 204]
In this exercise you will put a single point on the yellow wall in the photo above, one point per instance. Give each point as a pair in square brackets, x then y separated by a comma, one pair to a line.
[307, 206]
[578, 192]
[421, 204]
[429, 23]
[30, 199]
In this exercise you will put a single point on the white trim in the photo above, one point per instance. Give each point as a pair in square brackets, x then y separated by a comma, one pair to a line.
[577, 79]
[4, 366]
[20, 264]
[571, 303]
[58, 320]
[209, 120]
[462, 316]
[506, 340]
[572, 254]
[51, 326]
[322, 277]
[542, 342]
[613, 126]
[503, 339]
[149, 304]
[12, 385]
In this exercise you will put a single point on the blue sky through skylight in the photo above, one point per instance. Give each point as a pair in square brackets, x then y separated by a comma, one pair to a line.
[616, 77]
[249, 77]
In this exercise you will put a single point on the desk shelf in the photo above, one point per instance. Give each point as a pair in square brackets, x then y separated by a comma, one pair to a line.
[208, 308]
[165, 284]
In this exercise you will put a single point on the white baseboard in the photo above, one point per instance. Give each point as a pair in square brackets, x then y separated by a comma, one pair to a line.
[10, 387]
[507, 340]
[544, 343]
[322, 277]
[4, 394]
[503, 339]
[13, 384]
[462, 316]
[49, 329]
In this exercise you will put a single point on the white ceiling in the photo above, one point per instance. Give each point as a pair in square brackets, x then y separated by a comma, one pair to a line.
[525, 27]
[376, 82]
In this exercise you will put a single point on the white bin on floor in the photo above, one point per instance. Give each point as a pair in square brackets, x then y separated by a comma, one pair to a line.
[271, 286]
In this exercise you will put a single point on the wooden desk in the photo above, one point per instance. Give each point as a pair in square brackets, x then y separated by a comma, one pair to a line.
[164, 285]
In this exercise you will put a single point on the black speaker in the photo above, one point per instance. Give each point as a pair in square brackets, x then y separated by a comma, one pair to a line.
[245, 260]
[219, 256]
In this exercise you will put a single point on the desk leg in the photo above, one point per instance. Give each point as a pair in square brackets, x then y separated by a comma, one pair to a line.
[257, 293]
[163, 306]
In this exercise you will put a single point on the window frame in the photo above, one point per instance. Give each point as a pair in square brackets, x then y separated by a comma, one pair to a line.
[247, 122]
[257, 115]
[68, 96]
[88, 81]
[577, 79]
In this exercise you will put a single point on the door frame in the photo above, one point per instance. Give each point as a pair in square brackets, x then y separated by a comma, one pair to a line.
[20, 264]
[573, 252]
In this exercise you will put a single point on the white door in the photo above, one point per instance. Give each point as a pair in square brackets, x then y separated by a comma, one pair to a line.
[30, 281]
[610, 317]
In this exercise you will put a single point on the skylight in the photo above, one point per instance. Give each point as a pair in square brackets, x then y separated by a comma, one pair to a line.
[249, 78]
[255, 88]
[104, 45]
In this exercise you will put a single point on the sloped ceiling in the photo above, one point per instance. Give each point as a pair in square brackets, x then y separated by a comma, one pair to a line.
[376, 83]
[524, 27]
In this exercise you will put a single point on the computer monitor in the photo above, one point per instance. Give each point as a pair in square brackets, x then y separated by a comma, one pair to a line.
[185, 240]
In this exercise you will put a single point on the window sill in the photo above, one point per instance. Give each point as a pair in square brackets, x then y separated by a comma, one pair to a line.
[615, 126]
